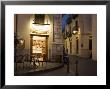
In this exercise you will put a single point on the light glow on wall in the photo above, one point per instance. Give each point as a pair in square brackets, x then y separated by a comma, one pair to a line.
[38, 27]
[74, 32]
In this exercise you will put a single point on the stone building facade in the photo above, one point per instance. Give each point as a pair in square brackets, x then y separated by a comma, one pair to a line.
[24, 29]
[83, 43]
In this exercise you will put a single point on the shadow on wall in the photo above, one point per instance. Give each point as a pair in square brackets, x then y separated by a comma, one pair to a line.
[22, 51]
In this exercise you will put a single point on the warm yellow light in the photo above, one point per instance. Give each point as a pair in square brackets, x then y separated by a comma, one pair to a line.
[40, 27]
[74, 32]
[79, 30]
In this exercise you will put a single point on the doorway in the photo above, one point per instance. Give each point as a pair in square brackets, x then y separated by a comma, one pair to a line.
[39, 47]
[90, 46]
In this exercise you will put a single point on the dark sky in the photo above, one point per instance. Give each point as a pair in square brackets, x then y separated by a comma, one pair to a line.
[65, 17]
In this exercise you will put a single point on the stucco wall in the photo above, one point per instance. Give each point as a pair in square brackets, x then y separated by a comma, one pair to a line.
[94, 38]
[85, 29]
[24, 27]
[50, 39]
[23, 31]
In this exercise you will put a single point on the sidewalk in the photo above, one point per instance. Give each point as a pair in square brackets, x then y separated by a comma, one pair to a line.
[46, 67]
[85, 67]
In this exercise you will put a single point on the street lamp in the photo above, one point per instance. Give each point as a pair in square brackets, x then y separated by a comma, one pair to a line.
[75, 30]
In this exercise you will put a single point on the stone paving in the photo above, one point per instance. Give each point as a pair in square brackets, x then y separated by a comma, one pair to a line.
[46, 67]
[85, 67]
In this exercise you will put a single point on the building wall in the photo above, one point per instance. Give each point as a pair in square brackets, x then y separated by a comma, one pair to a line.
[85, 31]
[50, 39]
[48, 19]
[87, 27]
[24, 27]
[57, 45]
[94, 37]
[74, 45]
[68, 45]
[84, 49]
[23, 31]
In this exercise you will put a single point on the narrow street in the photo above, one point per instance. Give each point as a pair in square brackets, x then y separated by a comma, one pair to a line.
[50, 37]
[85, 67]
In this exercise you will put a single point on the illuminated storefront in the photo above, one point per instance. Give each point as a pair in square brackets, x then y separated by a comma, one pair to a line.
[42, 36]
